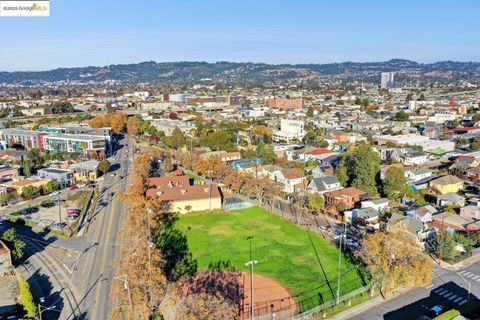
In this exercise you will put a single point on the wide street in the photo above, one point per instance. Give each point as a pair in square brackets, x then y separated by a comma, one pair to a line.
[80, 290]
[449, 289]
[94, 272]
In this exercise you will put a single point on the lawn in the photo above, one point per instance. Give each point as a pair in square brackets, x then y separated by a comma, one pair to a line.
[284, 251]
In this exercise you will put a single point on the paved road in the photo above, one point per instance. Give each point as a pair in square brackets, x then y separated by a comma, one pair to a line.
[449, 288]
[94, 272]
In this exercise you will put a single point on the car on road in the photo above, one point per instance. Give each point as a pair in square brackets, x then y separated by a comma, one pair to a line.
[82, 185]
[56, 193]
[47, 203]
[72, 188]
[112, 174]
[435, 311]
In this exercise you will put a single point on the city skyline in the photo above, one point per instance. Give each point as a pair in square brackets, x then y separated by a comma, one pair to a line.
[84, 33]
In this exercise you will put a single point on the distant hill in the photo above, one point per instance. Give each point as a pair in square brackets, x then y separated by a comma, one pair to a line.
[230, 72]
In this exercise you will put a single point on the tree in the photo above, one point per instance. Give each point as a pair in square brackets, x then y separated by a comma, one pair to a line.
[133, 124]
[265, 134]
[119, 122]
[310, 111]
[35, 157]
[316, 202]
[26, 298]
[30, 192]
[16, 245]
[52, 185]
[173, 245]
[104, 166]
[394, 184]
[394, 258]
[342, 175]
[443, 245]
[5, 198]
[176, 139]
[363, 166]
[267, 153]
[26, 168]
[401, 116]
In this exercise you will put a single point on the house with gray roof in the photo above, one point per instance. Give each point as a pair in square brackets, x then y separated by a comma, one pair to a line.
[324, 184]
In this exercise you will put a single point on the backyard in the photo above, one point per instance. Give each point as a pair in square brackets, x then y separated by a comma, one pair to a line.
[298, 260]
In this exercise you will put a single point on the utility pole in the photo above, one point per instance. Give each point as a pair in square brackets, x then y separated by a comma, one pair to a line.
[251, 263]
[442, 234]
[340, 261]
[59, 211]
[149, 240]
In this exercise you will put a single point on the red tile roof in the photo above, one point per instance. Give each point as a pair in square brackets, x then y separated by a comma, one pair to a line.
[317, 152]
[189, 193]
[169, 181]
[350, 191]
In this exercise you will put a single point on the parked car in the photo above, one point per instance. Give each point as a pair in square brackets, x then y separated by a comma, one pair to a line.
[56, 193]
[72, 188]
[82, 185]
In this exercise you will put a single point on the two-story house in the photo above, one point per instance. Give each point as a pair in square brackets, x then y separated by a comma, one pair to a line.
[289, 178]
[324, 184]
[347, 198]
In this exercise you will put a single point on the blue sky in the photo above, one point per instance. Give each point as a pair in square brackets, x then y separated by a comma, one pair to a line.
[102, 32]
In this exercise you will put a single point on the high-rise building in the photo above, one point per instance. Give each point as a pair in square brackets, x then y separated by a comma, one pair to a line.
[386, 79]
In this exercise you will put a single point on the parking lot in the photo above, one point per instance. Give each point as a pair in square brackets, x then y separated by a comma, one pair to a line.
[52, 211]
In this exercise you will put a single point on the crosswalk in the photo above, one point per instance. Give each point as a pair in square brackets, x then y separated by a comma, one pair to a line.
[438, 272]
[470, 275]
[453, 297]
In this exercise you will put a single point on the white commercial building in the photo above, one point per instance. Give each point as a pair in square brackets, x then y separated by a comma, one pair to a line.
[289, 130]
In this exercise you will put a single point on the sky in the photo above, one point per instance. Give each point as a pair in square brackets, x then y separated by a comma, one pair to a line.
[103, 32]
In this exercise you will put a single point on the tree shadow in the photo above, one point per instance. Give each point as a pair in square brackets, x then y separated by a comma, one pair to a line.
[449, 295]
[218, 281]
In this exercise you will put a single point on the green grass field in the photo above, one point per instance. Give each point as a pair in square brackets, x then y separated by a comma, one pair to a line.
[283, 250]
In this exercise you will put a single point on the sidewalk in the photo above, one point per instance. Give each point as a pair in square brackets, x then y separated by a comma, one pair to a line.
[367, 305]
[462, 264]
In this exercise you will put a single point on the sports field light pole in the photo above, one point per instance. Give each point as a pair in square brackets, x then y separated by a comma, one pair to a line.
[340, 260]
[251, 263]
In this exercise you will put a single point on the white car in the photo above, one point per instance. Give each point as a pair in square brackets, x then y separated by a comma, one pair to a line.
[82, 185]
[56, 193]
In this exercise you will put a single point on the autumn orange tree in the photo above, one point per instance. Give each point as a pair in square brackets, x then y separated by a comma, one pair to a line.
[394, 259]
[117, 121]
[133, 124]
[140, 289]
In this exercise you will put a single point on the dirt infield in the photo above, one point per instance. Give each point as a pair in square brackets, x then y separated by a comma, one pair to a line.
[271, 299]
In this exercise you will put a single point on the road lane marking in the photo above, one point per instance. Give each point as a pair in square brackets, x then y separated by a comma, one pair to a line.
[453, 297]
[470, 276]
[442, 291]
[476, 277]
[463, 302]
[448, 295]
[463, 272]
[458, 299]
[437, 290]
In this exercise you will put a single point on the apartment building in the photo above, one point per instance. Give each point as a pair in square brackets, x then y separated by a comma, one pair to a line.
[28, 139]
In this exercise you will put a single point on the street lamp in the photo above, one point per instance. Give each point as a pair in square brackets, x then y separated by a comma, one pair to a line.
[340, 259]
[42, 309]
[251, 263]
[124, 279]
